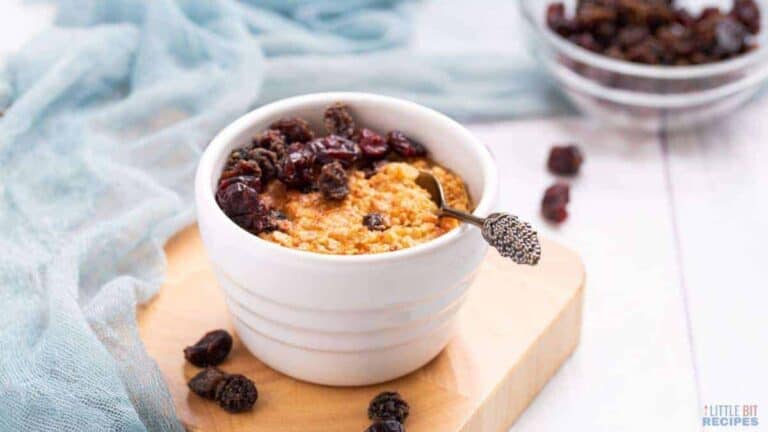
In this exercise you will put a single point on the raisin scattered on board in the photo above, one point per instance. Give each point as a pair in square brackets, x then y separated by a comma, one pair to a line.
[210, 350]
[236, 393]
[375, 222]
[386, 426]
[294, 129]
[404, 146]
[388, 405]
[338, 121]
[553, 205]
[333, 181]
[205, 382]
[565, 160]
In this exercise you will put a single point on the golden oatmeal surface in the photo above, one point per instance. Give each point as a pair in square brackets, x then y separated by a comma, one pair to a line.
[319, 225]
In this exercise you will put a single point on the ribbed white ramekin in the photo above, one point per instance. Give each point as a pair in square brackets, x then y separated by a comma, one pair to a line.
[347, 320]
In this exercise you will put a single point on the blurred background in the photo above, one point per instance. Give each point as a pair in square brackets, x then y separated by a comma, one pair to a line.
[671, 224]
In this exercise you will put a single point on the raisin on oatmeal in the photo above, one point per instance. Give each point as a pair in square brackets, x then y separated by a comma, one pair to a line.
[350, 192]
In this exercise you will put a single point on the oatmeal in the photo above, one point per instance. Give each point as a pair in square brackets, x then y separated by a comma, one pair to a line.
[319, 225]
[350, 192]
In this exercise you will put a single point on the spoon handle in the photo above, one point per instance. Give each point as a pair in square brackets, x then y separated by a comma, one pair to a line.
[463, 216]
[512, 237]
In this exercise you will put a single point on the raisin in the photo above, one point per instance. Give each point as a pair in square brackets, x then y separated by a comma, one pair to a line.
[676, 39]
[683, 17]
[565, 160]
[370, 168]
[267, 161]
[649, 51]
[236, 393]
[210, 350]
[388, 405]
[375, 222]
[204, 383]
[294, 129]
[296, 167]
[386, 426]
[335, 148]
[404, 146]
[250, 181]
[373, 145]
[338, 121]
[240, 165]
[586, 41]
[592, 15]
[553, 205]
[656, 31]
[241, 203]
[729, 36]
[333, 182]
[631, 35]
[557, 21]
[235, 196]
[748, 13]
[272, 140]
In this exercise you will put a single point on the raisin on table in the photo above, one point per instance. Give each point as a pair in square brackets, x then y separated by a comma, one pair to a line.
[210, 350]
[205, 382]
[565, 160]
[553, 205]
[386, 426]
[236, 393]
[388, 405]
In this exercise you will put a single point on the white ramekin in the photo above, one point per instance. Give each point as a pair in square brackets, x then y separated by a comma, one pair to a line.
[347, 320]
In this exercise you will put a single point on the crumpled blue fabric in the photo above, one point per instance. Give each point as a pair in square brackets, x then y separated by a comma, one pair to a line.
[105, 116]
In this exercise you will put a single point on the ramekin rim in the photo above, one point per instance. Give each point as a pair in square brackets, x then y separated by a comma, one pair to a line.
[205, 196]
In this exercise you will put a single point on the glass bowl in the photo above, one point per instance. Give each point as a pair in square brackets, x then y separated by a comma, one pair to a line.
[647, 97]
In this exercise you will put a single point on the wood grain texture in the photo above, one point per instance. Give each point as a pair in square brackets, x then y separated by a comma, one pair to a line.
[517, 327]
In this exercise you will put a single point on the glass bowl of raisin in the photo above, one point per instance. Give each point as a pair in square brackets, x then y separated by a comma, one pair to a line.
[651, 64]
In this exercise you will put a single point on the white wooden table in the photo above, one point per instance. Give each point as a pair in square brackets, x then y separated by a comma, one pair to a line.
[673, 230]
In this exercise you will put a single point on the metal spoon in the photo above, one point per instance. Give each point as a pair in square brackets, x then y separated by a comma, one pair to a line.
[510, 236]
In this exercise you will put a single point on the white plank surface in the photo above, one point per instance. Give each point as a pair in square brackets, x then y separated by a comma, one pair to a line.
[633, 370]
[672, 231]
[719, 179]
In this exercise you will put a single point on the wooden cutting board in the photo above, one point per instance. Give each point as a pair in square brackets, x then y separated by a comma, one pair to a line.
[518, 326]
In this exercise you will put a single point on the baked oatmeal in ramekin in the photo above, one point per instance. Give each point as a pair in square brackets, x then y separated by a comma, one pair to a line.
[350, 192]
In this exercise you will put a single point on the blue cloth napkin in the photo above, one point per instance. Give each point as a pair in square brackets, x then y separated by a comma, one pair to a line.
[105, 117]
